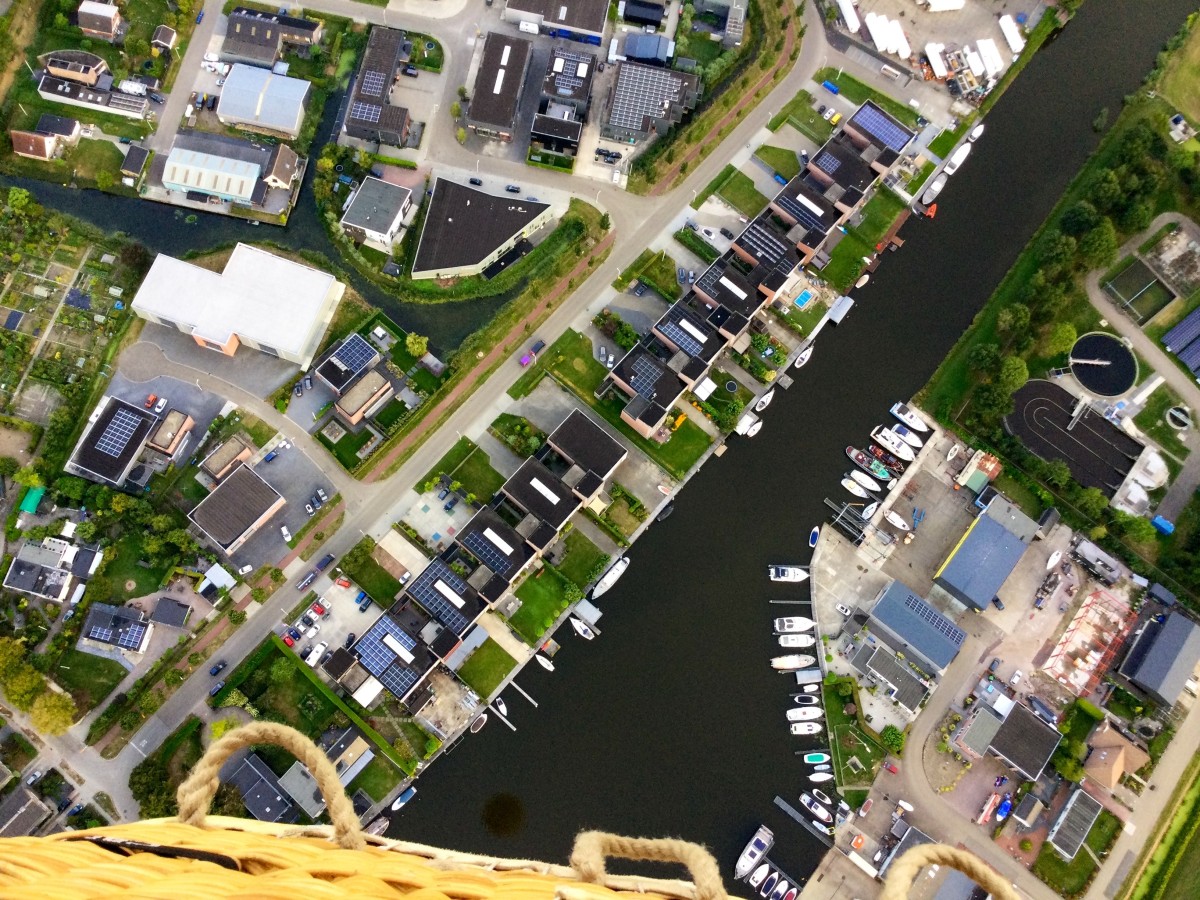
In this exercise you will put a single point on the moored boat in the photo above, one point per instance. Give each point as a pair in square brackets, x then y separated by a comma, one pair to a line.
[814, 536]
[894, 443]
[500, 706]
[543, 662]
[609, 578]
[908, 416]
[805, 714]
[791, 662]
[758, 846]
[862, 282]
[907, 435]
[759, 875]
[816, 756]
[379, 826]
[796, 641]
[935, 188]
[806, 691]
[790, 895]
[1054, 559]
[780, 889]
[894, 465]
[894, 518]
[582, 629]
[865, 480]
[976, 133]
[822, 796]
[769, 884]
[869, 510]
[870, 465]
[805, 728]
[793, 624]
[478, 723]
[805, 356]
[957, 158]
[824, 767]
[765, 400]
[787, 573]
[807, 699]
[822, 814]
[855, 488]
[952, 453]
[408, 794]
[806, 677]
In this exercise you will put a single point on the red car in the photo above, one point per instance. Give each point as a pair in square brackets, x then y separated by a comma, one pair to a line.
[287, 639]
[343, 582]
[891, 767]
[150, 401]
[318, 609]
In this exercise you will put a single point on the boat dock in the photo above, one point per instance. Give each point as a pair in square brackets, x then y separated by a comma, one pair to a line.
[803, 820]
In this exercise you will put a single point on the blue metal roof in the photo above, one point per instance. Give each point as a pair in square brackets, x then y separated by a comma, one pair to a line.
[983, 559]
[923, 628]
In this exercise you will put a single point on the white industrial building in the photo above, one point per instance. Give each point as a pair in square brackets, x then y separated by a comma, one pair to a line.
[224, 177]
[263, 101]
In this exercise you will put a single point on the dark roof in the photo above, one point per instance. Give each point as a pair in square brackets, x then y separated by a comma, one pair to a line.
[803, 199]
[879, 127]
[643, 12]
[109, 447]
[687, 329]
[394, 656]
[907, 689]
[135, 160]
[369, 113]
[578, 15]
[1164, 656]
[81, 565]
[1025, 742]
[648, 376]
[80, 61]
[647, 46]
[587, 444]
[339, 663]
[171, 612]
[30, 143]
[645, 95]
[348, 360]
[60, 125]
[725, 284]
[537, 491]
[918, 626]
[31, 572]
[261, 792]
[763, 241]
[446, 597]
[499, 80]
[376, 204]
[1162, 595]
[248, 27]
[839, 164]
[1076, 820]
[120, 626]
[234, 506]
[554, 127]
[21, 812]
[495, 543]
[464, 226]
[979, 565]
[164, 36]
[291, 27]
[569, 75]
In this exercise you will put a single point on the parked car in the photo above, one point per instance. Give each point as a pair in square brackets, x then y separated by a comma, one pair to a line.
[1016, 679]
[318, 608]
[365, 606]
[158, 98]
[513, 188]
[844, 610]
[75, 810]
[821, 111]
[70, 615]
[287, 535]
[306, 581]
[343, 582]
[998, 603]
[837, 117]
[639, 289]
[349, 641]
[312, 632]
[160, 405]
[289, 640]
[220, 82]
[891, 767]
[324, 562]
[691, 276]
[409, 70]
[995, 665]
[444, 493]
[612, 359]
[681, 275]
[865, 808]
[125, 140]
[478, 182]
[322, 496]
[212, 102]
[538, 346]
[326, 658]
[362, 595]
[293, 634]
[315, 501]
[151, 400]
[726, 233]
[450, 504]
[308, 508]
[218, 668]
[35, 777]
[270, 456]
[306, 620]
[216, 688]
[200, 17]
[298, 390]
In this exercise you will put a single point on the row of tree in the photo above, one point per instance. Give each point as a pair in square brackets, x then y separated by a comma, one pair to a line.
[50, 711]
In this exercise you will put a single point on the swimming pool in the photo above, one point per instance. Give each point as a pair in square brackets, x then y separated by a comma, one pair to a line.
[802, 300]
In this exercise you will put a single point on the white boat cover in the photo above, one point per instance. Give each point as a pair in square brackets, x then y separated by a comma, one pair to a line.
[946, 5]
[877, 31]
[974, 62]
[891, 35]
[849, 14]
[1012, 34]
[936, 61]
[903, 48]
[992, 61]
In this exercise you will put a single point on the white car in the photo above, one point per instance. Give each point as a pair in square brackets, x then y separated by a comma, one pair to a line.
[312, 632]
[287, 535]
[160, 405]
[245, 570]
[211, 57]
[844, 610]
[1016, 679]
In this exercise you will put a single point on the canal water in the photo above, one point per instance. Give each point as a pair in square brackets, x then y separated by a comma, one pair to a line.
[671, 722]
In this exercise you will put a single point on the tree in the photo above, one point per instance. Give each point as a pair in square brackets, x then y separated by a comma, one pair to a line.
[460, 135]
[1013, 318]
[281, 671]
[1105, 191]
[984, 357]
[416, 344]
[605, 222]
[19, 200]
[1098, 248]
[1134, 527]
[455, 109]
[150, 784]
[228, 802]
[70, 487]
[892, 738]
[23, 686]
[1013, 374]
[12, 655]
[9, 466]
[462, 92]
[1136, 217]
[28, 477]
[1056, 250]
[1091, 502]
[1058, 473]
[104, 179]
[1079, 219]
[53, 713]
[1061, 339]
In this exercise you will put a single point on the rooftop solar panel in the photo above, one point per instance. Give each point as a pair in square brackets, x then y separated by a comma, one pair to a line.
[1190, 356]
[642, 91]
[117, 433]
[680, 338]
[879, 125]
[355, 353]
[100, 633]
[425, 591]
[131, 637]
[366, 112]
[645, 374]
[13, 321]
[935, 619]
[372, 84]
[760, 241]
[827, 162]
[487, 553]
[78, 299]
[1183, 333]
[798, 211]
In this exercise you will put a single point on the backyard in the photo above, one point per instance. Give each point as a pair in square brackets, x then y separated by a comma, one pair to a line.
[469, 466]
[584, 560]
[129, 576]
[846, 260]
[486, 668]
[377, 779]
[856, 756]
[345, 450]
[87, 678]
[780, 159]
[372, 578]
[543, 596]
[1069, 879]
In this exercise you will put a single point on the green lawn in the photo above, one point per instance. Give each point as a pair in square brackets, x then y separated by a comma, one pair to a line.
[846, 260]
[486, 668]
[944, 143]
[451, 461]
[1018, 493]
[676, 456]
[572, 359]
[391, 414]
[782, 160]
[543, 597]
[656, 270]
[1068, 879]
[375, 580]
[857, 92]
[582, 560]
[377, 779]
[847, 740]
[1151, 420]
[466, 463]
[740, 193]
[87, 678]
[713, 186]
[798, 106]
[698, 245]
[127, 577]
[345, 451]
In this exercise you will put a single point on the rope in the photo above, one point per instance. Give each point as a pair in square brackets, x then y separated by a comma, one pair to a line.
[904, 870]
[196, 793]
[591, 848]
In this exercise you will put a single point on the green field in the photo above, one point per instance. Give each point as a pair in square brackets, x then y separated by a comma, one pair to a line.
[467, 464]
[486, 668]
[782, 160]
[705, 251]
[87, 678]
[377, 779]
[572, 359]
[656, 270]
[345, 451]
[582, 560]
[713, 186]
[846, 260]
[740, 193]
[375, 580]
[543, 597]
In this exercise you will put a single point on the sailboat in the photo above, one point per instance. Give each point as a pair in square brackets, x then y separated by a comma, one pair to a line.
[1053, 560]
[765, 400]
[543, 662]
[855, 488]
[805, 356]
[894, 518]
[869, 510]
[615, 571]
[582, 629]
[953, 453]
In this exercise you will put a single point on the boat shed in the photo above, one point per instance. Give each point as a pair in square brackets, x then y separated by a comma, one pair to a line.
[910, 625]
[1164, 657]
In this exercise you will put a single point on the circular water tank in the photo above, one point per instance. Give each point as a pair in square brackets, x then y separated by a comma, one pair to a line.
[1103, 364]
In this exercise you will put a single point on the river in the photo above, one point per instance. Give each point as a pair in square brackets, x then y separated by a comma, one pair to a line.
[671, 722]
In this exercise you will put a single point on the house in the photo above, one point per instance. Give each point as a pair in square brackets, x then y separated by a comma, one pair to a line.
[583, 21]
[492, 112]
[1071, 829]
[122, 627]
[500, 550]
[467, 230]
[1111, 756]
[1025, 742]
[447, 597]
[653, 386]
[346, 362]
[377, 212]
[76, 93]
[135, 160]
[283, 167]
[986, 555]
[171, 435]
[225, 456]
[910, 626]
[265, 800]
[392, 654]
[566, 93]
[259, 38]
[112, 442]
[99, 20]
[236, 509]
[1163, 658]
[368, 394]
[261, 100]
[654, 49]
[171, 613]
[22, 812]
[240, 305]
[224, 178]
[805, 213]
[879, 136]
[647, 100]
[538, 493]
[644, 13]
[370, 116]
[51, 136]
[349, 752]
[582, 455]
[164, 39]
[44, 569]
[76, 65]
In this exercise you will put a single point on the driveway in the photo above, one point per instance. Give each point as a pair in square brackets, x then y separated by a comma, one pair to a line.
[201, 405]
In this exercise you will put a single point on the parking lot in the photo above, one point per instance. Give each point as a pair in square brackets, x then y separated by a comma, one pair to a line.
[437, 526]
[297, 478]
[343, 619]
[184, 396]
[303, 408]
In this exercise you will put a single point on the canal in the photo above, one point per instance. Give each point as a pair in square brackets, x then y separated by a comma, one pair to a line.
[671, 722]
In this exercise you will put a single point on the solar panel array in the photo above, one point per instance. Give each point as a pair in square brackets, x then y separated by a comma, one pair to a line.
[827, 162]
[935, 619]
[372, 84]
[640, 92]
[118, 433]
[487, 553]
[355, 353]
[365, 112]
[879, 125]
[131, 637]
[680, 338]
[425, 592]
[381, 661]
[798, 211]
[762, 242]
[1183, 333]
[645, 375]
[1190, 356]
[100, 633]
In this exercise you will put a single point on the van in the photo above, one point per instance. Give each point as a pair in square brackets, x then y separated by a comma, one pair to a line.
[891, 73]
[837, 117]
[325, 562]
[306, 581]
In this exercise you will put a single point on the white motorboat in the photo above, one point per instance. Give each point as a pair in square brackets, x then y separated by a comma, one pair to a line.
[892, 441]
[822, 814]
[894, 518]
[765, 400]
[823, 767]
[907, 435]
[953, 453]
[543, 662]
[748, 425]
[378, 827]
[805, 728]
[1054, 560]
[862, 282]
[806, 699]
[816, 756]
[609, 578]
[865, 480]
[855, 488]
[822, 796]
[869, 510]
[908, 416]
[976, 133]
[806, 691]
[792, 662]
[762, 841]
[796, 641]
[479, 723]
[805, 356]
[400, 801]
[759, 876]
[820, 777]
[793, 624]
[905, 805]
[582, 629]
[805, 714]
[754, 429]
[957, 158]
[500, 706]
[935, 188]
[787, 573]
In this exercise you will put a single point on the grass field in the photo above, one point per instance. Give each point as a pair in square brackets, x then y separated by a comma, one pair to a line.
[713, 186]
[128, 578]
[1151, 420]
[572, 359]
[377, 779]
[375, 580]
[87, 678]
[466, 463]
[655, 270]
[740, 193]
[582, 559]
[1181, 80]
[1069, 879]
[486, 668]
[543, 596]
[782, 160]
[345, 451]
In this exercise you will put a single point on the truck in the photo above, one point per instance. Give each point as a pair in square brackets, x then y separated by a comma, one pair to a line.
[528, 28]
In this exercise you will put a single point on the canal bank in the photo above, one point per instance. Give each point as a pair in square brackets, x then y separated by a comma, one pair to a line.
[672, 722]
